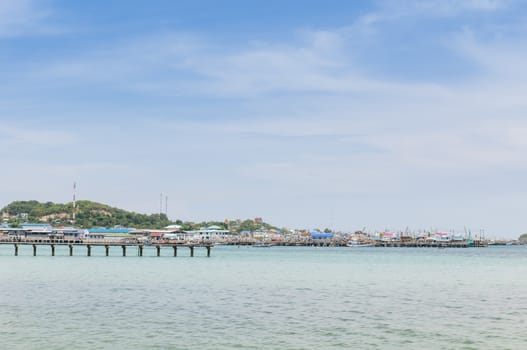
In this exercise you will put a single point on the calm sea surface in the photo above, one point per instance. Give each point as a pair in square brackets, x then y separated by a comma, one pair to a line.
[265, 298]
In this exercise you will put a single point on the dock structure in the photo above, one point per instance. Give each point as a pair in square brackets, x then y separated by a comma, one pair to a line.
[87, 246]
[158, 246]
[344, 242]
[433, 244]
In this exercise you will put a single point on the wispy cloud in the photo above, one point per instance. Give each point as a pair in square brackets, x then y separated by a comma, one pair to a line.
[318, 61]
[285, 119]
[23, 17]
[179, 64]
[391, 9]
[16, 136]
[500, 53]
[316, 65]
[390, 13]
[136, 58]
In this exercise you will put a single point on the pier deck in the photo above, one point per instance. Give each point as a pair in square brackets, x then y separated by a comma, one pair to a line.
[106, 244]
[391, 244]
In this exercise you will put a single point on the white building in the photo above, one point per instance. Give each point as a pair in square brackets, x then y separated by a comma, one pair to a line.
[211, 233]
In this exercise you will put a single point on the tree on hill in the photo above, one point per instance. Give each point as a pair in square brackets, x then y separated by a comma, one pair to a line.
[90, 214]
[523, 238]
[87, 214]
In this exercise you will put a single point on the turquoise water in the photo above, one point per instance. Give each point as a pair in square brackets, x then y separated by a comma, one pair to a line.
[265, 298]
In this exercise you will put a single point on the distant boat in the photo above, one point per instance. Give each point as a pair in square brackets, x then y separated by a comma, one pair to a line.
[357, 244]
[262, 245]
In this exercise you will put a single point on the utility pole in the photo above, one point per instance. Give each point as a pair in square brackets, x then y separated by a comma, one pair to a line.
[160, 204]
[74, 201]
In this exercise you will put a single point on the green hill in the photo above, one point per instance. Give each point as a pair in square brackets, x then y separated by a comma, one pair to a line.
[92, 214]
[87, 214]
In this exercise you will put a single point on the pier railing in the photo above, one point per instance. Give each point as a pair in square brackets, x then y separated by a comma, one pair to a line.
[174, 244]
[107, 244]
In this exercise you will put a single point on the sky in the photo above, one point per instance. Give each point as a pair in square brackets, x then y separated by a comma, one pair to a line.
[376, 115]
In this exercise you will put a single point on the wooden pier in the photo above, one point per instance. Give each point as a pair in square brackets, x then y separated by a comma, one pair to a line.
[87, 246]
[344, 242]
[433, 244]
[125, 247]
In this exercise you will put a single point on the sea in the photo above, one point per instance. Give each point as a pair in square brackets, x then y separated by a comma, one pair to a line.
[265, 298]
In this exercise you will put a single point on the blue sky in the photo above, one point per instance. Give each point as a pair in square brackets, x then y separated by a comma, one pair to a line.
[310, 114]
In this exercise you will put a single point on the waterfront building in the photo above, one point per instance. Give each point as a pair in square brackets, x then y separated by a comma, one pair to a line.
[36, 230]
[212, 233]
[69, 232]
[321, 235]
[115, 234]
[174, 227]
[155, 235]
[176, 235]
[6, 230]
[40, 230]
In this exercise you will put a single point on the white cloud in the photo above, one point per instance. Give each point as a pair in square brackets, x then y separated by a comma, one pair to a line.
[468, 151]
[23, 136]
[394, 11]
[302, 118]
[185, 65]
[315, 66]
[22, 17]
[397, 8]
[500, 54]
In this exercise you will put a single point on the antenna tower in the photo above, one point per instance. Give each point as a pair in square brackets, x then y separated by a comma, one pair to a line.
[74, 200]
[160, 204]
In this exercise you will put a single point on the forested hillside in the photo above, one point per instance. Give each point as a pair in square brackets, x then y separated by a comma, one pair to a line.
[87, 214]
[92, 214]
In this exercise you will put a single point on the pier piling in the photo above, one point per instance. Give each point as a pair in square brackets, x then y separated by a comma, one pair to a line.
[70, 244]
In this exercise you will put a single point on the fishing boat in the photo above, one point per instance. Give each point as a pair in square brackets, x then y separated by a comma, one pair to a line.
[262, 245]
[358, 244]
